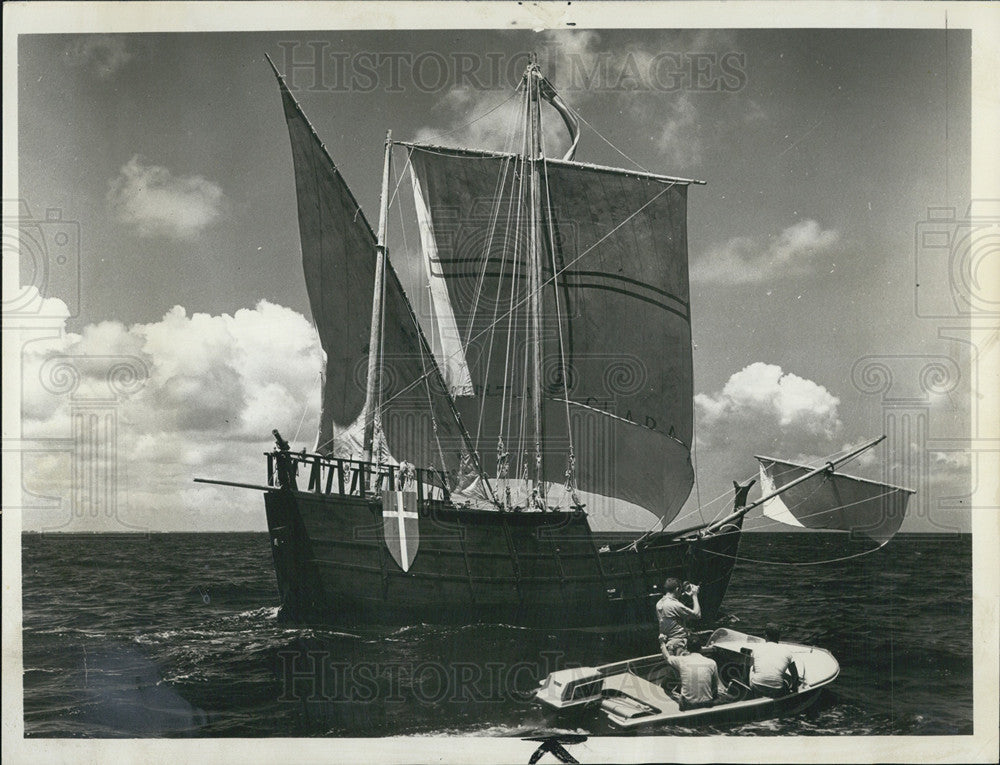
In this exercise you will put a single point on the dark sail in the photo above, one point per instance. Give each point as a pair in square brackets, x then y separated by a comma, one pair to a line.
[338, 258]
[338, 261]
[615, 310]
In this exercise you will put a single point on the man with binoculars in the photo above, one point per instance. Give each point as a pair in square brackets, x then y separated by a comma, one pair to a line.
[673, 616]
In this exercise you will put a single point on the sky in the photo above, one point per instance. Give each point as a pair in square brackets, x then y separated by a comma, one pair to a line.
[821, 318]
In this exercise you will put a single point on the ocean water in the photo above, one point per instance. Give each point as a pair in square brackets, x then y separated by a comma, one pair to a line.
[178, 635]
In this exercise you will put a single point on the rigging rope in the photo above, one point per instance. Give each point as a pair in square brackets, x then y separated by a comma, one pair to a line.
[490, 111]
[667, 185]
[305, 408]
[487, 249]
[508, 392]
[794, 563]
[601, 136]
[571, 458]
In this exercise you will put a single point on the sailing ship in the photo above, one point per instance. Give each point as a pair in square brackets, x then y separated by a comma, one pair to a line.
[454, 479]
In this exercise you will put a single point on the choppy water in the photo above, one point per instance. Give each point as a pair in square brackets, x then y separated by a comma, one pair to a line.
[178, 635]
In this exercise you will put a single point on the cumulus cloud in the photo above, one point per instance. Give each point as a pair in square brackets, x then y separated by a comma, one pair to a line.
[201, 395]
[101, 55]
[157, 203]
[743, 260]
[766, 405]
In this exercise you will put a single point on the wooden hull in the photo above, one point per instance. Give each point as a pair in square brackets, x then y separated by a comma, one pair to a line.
[529, 568]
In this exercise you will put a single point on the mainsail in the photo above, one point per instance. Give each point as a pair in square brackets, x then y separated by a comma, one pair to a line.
[832, 501]
[614, 295]
[338, 258]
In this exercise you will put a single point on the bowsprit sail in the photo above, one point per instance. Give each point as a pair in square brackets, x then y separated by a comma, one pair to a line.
[831, 501]
[821, 498]
[457, 480]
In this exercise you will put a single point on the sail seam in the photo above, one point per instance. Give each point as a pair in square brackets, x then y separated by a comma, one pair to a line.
[568, 274]
[637, 296]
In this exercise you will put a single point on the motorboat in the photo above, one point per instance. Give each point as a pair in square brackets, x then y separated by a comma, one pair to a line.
[641, 692]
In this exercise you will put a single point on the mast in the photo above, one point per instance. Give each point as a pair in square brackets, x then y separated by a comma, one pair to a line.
[533, 76]
[614, 243]
[373, 384]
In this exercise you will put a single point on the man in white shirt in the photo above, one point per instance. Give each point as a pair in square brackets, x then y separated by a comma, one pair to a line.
[773, 673]
[699, 676]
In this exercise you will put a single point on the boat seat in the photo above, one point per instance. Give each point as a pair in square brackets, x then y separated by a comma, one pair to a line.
[626, 707]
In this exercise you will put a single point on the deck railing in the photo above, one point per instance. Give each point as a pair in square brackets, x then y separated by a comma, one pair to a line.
[348, 477]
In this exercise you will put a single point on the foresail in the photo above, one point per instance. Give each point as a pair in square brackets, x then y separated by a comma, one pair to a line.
[338, 258]
[615, 304]
[338, 264]
[832, 501]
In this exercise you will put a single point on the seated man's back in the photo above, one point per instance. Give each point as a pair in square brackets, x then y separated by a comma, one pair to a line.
[773, 672]
[699, 680]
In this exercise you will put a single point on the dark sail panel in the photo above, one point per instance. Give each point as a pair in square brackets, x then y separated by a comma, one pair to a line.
[621, 245]
[633, 463]
[339, 263]
[338, 257]
[615, 303]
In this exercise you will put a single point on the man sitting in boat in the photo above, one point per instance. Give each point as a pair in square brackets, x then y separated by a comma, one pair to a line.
[773, 672]
[700, 685]
[674, 616]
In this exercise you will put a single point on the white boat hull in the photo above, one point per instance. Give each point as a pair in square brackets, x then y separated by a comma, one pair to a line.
[637, 693]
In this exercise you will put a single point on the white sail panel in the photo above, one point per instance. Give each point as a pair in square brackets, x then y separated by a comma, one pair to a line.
[833, 501]
[451, 359]
[775, 508]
